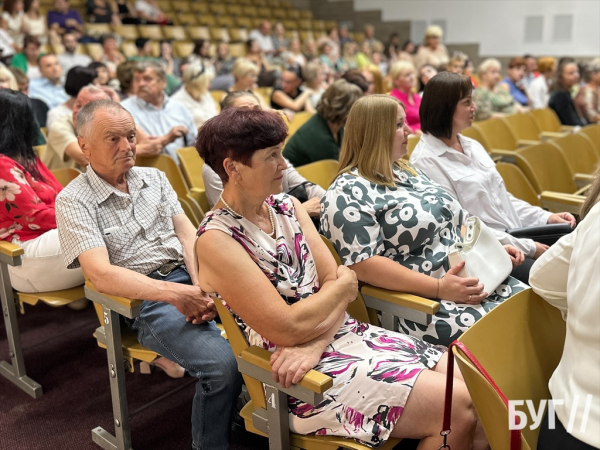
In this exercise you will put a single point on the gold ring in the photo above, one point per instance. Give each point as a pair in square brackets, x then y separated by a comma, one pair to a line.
[470, 297]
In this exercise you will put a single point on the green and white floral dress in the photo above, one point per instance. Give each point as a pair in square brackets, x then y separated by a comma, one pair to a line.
[414, 224]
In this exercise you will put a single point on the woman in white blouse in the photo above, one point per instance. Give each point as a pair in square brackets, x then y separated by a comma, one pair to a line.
[566, 276]
[538, 89]
[194, 93]
[463, 167]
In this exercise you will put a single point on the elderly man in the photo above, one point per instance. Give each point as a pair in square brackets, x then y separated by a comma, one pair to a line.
[48, 88]
[124, 226]
[155, 113]
[63, 151]
[262, 35]
[69, 58]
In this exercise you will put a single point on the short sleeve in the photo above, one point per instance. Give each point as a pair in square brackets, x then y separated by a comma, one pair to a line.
[169, 194]
[349, 219]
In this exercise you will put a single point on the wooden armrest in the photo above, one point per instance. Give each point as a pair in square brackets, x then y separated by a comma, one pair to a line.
[582, 192]
[314, 381]
[569, 128]
[504, 155]
[125, 306]
[526, 142]
[415, 302]
[561, 202]
[583, 180]
[546, 135]
[10, 250]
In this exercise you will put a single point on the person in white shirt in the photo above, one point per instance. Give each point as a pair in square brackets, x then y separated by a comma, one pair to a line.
[538, 88]
[262, 35]
[70, 58]
[566, 276]
[194, 93]
[463, 167]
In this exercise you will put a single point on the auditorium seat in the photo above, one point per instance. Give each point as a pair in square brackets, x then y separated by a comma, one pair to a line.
[593, 132]
[320, 172]
[95, 50]
[191, 166]
[150, 32]
[413, 140]
[473, 133]
[523, 126]
[127, 32]
[174, 33]
[579, 153]
[187, 19]
[299, 119]
[499, 136]
[519, 358]
[548, 122]
[186, 6]
[196, 32]
[517, 183]
[183, 49]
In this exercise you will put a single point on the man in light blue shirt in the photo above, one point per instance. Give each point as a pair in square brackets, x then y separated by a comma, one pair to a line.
[155, 113]
[49, 87]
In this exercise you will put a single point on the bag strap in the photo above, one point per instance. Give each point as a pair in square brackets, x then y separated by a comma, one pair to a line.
[515, 435]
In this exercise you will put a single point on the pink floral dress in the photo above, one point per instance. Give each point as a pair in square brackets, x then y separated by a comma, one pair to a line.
[373, 369]
[26, 203]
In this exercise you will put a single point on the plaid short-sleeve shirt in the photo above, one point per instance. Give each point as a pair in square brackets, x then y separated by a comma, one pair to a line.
[136, 228]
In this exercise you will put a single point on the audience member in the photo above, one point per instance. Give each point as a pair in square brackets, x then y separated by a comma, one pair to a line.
[29, 191]
[531, 71]
[587, 100]
[344, 36]
[492, 97]
[566, 276]
[266, 75]
[294, 56]
[8, 47]
[63, 19]
[378, 60]
[194, 93]
[22, 80]
[373, 76]
[294, 184]
[155, 113]
[102, 73]
[363, 57]
[170, 63]
[314, 79]
[262, 36]
[111, 56]
[34, 24]
[7, 79]
[69, 58]
[49, 87]
[457, 63]
[27, 60]
[514, 80]
[149, 11]
[348, 58]
[538, 88]
[464, 169]
[289, 94]
[321, 136]
[77, 78]
[385, 218]
[245, 74]
[426, 72]
[370, 34]
[327, 57]
[567, 76]
[403, 81]
[310, 50]
[127, 13]
[125, 228]
[11, 20]
[201, 52]
[468, 72]
[406, 52]
[223, 68]
[356, 77]
[103, 11]
[433, 51]
[125, 78]
[280, 42]
[269, 284]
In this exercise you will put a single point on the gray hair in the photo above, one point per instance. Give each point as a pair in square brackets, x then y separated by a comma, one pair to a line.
[337, 100]
[156, 67]
[590, 69]
[85, 116]
[487, 65]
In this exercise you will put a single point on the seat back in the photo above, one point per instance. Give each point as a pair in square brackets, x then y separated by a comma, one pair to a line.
[65, 176]
[546, 168]
[320, 172]
[413, 140]
[520, 358]
[546, 119]
[497, 134]
[578, 151]
[523, 126]
[299, 119]
[474, 133]
[191, 166]
[517, 183]
[593, 132]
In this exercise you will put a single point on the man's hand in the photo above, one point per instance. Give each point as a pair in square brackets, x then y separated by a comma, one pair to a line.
[539, 250]
[290, 364]
[312, 206]
[194, 303]
[176, 132]
[152, 146]
[516, 256]
[562, 218]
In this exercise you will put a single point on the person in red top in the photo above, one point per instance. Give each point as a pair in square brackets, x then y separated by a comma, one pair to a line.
[28, 191]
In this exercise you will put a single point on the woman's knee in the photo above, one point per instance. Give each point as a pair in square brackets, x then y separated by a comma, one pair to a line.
[463, 410]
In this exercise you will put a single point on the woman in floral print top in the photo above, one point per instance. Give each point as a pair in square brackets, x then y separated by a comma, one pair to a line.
[28, 191]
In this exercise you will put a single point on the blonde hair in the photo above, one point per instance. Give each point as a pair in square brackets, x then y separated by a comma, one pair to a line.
[593, 196]
[400, 68]
[369, 139]
[243, 67]
[196, 78]
[487, 65]
[377, 78]
[311, 71]
[6, 74]
[434, 31]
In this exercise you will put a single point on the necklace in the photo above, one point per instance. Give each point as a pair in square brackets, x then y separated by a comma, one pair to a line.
[271, 218]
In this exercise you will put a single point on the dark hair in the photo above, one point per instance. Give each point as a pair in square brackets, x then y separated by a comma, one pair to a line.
[105, 37]
[296, 70]
[140, 42]
[31, 40]
[198, 46]
[440, 97]
[229, 99]
[27, 5]
[517, 61]
[9, 5]
[77, 78]
[237, 134]
[249, 43]
[355, 77]
[406, 44]
[97, 65]
[557, 84]
[19, 130]
[125, 74]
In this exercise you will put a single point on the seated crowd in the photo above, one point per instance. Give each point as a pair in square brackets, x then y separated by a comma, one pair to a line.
[392, 220]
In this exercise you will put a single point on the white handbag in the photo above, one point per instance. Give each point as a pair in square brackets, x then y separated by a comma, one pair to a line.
[484, 256]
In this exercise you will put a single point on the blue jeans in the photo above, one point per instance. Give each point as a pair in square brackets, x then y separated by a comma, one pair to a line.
[203, 352]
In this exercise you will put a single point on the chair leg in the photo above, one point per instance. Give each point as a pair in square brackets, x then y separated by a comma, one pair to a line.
[279, 421]
[14, 372]
[116, 371]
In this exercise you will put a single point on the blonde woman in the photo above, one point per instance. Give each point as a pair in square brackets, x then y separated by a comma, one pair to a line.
[314, 79]
[433, 51]
[245, 73]
[403, 80]
[394, 227]
[348, 58]
[194, 93]
[493, 99]
[7, 79]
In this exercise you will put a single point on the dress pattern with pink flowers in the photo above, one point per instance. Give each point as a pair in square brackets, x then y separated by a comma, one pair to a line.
[373, 369]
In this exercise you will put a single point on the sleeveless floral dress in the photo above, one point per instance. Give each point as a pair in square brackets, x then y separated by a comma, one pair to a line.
[373, 369]
[414, 224]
